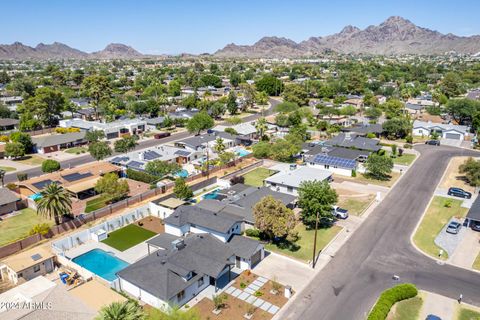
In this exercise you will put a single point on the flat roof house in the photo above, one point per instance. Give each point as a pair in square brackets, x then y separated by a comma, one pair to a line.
[112, 129]
[198, 143]
[289, 182]
[57, 142]
[8, 201]
[27, 265]
[182, 267]
[446, 131]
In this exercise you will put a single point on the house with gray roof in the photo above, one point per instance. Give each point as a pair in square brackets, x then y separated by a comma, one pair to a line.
[8, 201]
[364, 129]
[176, 272]
[57, 142]
[446, 131]
[350, 140]
[289, 181]
[8, 124]
[201, 142]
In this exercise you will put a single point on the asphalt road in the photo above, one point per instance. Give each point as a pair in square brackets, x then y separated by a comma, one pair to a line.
[349, 285]
[80, 160]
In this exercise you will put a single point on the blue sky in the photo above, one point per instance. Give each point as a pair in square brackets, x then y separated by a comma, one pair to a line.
[169, 26]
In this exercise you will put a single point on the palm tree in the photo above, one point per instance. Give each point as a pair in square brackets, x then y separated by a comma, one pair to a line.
[54, 202]
[261, 127]
[219, 146]
[128, 310]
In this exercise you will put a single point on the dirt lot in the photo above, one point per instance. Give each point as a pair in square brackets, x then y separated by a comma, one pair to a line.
[153, 224]
[453, 178]
[234, 310]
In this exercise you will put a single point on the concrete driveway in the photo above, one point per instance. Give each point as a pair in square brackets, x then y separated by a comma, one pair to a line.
[287, 271]
[467, 250]
[448, 241]
[451, 142]
[467, 203]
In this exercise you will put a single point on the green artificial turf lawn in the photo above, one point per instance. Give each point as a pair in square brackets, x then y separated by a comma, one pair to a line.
[18, 227]
[127, 237]
[256, 176]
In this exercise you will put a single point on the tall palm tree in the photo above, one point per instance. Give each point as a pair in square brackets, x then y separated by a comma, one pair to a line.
[127, 310]
[219, 146]
[261, 127]
[54, 202]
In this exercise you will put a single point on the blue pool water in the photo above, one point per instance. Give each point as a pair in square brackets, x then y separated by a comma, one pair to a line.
[35, 196]
[182, 173]
[101, 263]
[242, 152]
[211, 195]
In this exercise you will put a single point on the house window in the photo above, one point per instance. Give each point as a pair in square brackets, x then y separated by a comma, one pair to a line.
[327, 166]
[36, 268]
[289, 189]
[181, 295]
[201, 282]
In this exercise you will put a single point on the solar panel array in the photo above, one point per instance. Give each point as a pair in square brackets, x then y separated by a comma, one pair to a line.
[42, 184]
[334, 161]
[119, 159]
[36, 257]
[150, 155]
[135, 164]
[76, 176]
[182, 153]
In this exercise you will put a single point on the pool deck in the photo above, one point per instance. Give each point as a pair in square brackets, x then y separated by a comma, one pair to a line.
[131, 255]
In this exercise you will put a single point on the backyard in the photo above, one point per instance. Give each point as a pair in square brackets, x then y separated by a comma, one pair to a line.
[439, 213]
[17, 227]
[256, 176]
[302, 249]
[407, 309]
[127, 237]
[96, 203]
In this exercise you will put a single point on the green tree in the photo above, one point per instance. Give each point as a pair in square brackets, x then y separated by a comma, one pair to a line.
[261, 127]
[261, 150]
[316, 197]
[270, 85]
[379, 166]
[452, 85]
[232, 105]
[211, 80]
[127, 310]
[471, 169]
[286, 107]
[373, 113]
[161, 168]
[54, 202]
[295, 93]
[94, 136]
[200, 121]
[182, 190]
[273, 218]
[14, 150]
[111, 185]
[174, 88]
[97, 88]
[24, 139]
[462, 110]
[235, 79]
[219, 146]
[396, 128]
[226, 157]
[125, 144]
[99, 150]
[50, 165]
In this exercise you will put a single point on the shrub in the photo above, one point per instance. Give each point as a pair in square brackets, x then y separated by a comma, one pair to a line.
[354, 173]
[258, 294]
[243, 285]
[448, 203]
[219, 301]
[371, 135]
[4, 139]
[253, 233]
[22, 176]
[141, 176]
[41, 228]
[407, 146]
[238, 179]
[11, 186]
[409, 139]
[50, 165]
[389, 297]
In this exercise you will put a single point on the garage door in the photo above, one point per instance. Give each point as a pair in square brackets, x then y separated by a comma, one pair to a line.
[455, 136]
[256, 258]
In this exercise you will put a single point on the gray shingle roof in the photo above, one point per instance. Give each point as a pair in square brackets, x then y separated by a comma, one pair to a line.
[187, 214]
[353, 141]
[162, 272]
[242, 246]
[5, 122]
[7, 196]
[474, 212]
[56, 139]
[163, 240]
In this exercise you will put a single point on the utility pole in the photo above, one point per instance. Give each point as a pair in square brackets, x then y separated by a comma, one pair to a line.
[208, 165]
[315, 242]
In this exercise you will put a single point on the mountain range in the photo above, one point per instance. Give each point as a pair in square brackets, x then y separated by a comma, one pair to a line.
[395, 35]
[59, 50]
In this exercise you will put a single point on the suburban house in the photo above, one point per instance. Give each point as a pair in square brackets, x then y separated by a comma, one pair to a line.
[473, 94]
[473, 215]
[138, 159]
[8, 201]
[341, 161]
[363, 130]
[194, 219]
[7, 124]
[27, 265]
[414, 109]
[446, 131]
[182, 267]
[112, 130]
[201, 142]
[57, 142]
[350, 140]
[289, 181]
[164, 207]
[243, 129]
[240, 199]
[79, 181]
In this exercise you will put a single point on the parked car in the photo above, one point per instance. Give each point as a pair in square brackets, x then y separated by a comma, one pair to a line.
[475, 226]
[454, 227]
[432, 317]
[457, 192]
[339, 212]
[433, 142]
[162, 135]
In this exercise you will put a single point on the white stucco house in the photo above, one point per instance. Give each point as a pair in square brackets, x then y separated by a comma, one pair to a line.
[289, 181]
[446, 131]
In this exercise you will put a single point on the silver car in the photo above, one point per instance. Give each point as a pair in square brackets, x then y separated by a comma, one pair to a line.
[453, 227]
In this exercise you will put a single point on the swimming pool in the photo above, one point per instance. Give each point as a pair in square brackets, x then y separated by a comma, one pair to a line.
[182, 173]
[35, 196]
[211, 195]
[242, 152]
[101, 263]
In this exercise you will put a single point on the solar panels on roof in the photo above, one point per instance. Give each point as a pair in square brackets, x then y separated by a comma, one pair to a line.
[42, 184]
[76, 176]
[182, 153]
[150, 155]
[334, 161]
[36, 257]
[119, 159]
[135, 164]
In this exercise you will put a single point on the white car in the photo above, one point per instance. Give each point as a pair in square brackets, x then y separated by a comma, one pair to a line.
[339, 212]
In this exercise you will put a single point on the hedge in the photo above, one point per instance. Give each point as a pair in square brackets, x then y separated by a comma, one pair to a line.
[389, 297]
[141, 176]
